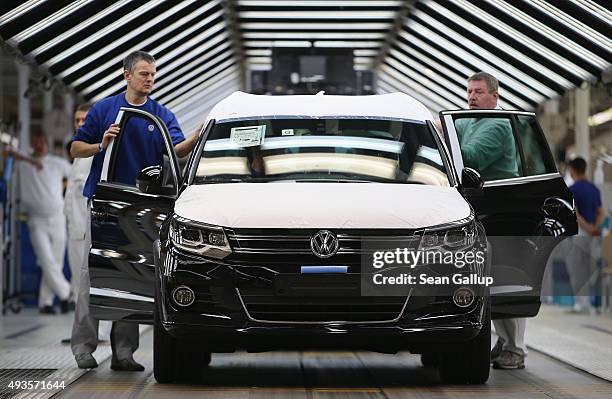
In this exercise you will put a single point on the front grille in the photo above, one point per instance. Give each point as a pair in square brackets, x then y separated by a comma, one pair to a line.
[261, 305]
[297, 241]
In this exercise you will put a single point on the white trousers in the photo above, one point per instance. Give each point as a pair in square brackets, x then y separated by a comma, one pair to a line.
[512, 331]
[77, 251]
[48, 236]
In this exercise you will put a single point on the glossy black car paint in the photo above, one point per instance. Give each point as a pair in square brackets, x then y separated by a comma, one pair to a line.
[125, 223]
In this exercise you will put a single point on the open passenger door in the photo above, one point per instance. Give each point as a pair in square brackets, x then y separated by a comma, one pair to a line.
[525, 206]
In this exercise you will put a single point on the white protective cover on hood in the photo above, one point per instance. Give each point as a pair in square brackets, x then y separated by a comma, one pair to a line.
[239, 105]
[321, 205]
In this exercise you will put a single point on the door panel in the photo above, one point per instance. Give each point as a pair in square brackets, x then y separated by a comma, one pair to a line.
[520, 231]
[124, 224]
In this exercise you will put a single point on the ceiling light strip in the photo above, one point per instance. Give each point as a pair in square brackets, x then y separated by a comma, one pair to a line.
[553, 35]
[396, 86]
[365, 53]
[320, 3]
[276, 43]
[417, 87]
[597, 11]
[258, 52]
[428, 50]
[323, 26]
[526, 40]
[347, 43]
[480, 63]
[578, 27]
[259, 60]
[118, 24]
[341, 15]
[46, 22]
[259, 67]
[313, 35]
[188, 60]
[65, 35]
[197, 114]
[122, 39]
[19, 11]
[537, 88]
[201, 89]
[161, 61]
[482, 34]
[385, 88]
[158, 92]
[181, 76]
[424, 81]
[209, 78]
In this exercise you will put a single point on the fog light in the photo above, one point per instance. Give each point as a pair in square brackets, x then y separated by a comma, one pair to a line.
[183, 296]
[463, 297]
[217, 239]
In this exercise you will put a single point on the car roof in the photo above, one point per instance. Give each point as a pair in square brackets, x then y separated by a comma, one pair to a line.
[240, 105]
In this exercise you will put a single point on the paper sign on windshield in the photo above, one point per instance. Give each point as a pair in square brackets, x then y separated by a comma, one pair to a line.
[248, 136]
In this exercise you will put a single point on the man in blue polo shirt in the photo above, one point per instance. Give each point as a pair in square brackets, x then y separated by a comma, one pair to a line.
[142, 146]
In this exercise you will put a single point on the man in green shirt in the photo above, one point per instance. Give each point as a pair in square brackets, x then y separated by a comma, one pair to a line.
[487, 144]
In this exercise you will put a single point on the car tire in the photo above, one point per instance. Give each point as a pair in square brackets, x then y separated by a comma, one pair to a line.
[429, 359]
[175, 360]
[470, 363]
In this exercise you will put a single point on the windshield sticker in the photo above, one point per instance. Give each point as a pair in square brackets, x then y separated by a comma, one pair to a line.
[248, 136]
[287, 132]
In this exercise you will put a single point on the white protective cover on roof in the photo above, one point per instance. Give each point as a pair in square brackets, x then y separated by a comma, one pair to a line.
[251, 106]
[322, 205]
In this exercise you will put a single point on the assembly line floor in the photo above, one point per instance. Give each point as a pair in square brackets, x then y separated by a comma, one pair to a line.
[570, 357]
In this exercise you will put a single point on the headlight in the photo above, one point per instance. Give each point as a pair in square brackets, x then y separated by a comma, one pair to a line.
[199, 238]
[453, 239]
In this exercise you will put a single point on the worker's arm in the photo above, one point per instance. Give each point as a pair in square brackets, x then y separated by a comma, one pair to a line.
[81, 149]
[23, 158]
[186, 146]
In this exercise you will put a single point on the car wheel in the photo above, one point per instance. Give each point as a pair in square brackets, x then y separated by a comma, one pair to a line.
[429, 359]
[469, 364]
[175, 360]
[164, 352]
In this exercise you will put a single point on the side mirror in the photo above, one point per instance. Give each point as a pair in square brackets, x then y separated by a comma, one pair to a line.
[150, 180]
[471, 182]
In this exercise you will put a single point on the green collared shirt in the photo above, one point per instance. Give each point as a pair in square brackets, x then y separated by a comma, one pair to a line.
[487, 145]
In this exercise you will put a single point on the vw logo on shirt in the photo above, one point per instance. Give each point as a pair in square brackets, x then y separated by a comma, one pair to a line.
[324, 244]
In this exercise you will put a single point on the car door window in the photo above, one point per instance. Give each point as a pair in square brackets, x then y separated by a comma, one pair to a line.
[489, 146]
[141, 144]
[538, 158]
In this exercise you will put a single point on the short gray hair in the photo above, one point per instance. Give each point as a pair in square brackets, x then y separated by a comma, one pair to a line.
[492, 82]
[132, 58]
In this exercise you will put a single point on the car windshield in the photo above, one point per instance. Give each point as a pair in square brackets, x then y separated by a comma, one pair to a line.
[321, 150]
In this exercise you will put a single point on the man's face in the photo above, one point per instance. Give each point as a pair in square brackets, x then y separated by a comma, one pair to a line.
[40, 146]
[79, 119]
[478, 95]
[142, 78]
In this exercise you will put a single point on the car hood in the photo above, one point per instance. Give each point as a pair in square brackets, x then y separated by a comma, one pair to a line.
[321, 205]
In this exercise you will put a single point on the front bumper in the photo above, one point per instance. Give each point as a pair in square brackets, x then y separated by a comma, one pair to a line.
[239, 307]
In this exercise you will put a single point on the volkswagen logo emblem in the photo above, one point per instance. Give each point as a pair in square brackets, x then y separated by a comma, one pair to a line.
[324, 244]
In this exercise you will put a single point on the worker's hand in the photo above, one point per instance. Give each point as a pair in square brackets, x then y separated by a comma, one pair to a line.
[109, 134]
[199, 130]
